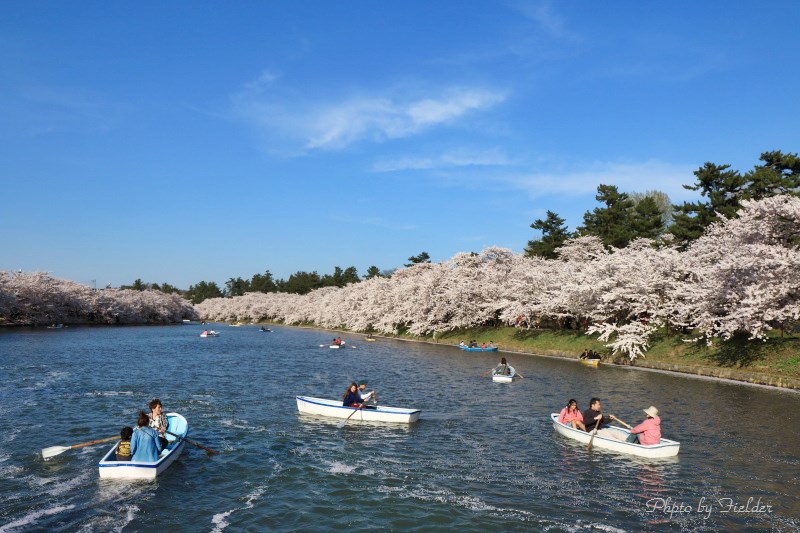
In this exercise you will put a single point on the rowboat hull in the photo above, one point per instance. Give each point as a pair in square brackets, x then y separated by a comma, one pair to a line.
[508, 378]
[111, 469]
[334, 346]
[335, 409]
[468, 349]
[666, 448]
[590, 362]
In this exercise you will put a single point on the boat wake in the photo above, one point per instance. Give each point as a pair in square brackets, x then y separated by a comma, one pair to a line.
[28, 520]
[220, 520]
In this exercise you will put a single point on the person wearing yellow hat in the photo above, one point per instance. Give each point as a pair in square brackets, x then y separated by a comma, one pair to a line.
[648, 432]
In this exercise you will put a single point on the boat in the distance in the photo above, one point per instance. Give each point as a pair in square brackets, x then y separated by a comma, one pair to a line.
[209, 333]
[590, 362]
[110, 468]
[266, 329]
[505, 378]
[478, 348]
[665, 448]
[335, 409]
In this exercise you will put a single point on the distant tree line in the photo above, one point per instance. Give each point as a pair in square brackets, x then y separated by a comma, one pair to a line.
[623, 217]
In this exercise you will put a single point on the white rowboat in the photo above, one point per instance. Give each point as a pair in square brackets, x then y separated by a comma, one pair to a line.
[505, 378]
[335, 409]
[666, 448]
[110, 468]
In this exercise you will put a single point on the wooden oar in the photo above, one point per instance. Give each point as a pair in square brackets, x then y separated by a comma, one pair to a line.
[343, 422]
[52, 451]
[623, 423]
[209, 451]
[594, 432]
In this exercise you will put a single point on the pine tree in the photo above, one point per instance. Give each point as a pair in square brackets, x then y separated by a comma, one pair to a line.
[554, 233]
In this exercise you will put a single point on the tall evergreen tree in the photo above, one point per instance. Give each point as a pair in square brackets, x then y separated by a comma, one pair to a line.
[301, 282]
[236, 287]
[263, 283]
[202, 291]
[417, 259]
[647, 219]
[611, 223]
[372, 272]
[554, 233]
[723, 190]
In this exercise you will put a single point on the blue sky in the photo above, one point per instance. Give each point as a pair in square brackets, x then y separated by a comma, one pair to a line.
[186, 141]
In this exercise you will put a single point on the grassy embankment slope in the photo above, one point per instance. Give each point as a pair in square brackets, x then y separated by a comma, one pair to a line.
[774, 362]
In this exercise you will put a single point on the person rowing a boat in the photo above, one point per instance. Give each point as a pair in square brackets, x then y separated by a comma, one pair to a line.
[594, 418]
[145, 443]
[502, 369]
[367, 396]
[351, 397]
[571, 415]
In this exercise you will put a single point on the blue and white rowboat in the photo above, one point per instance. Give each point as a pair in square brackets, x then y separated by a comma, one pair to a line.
[505, 378]
[478, 349]
[113, 469]
[335, 409]
[666, 448]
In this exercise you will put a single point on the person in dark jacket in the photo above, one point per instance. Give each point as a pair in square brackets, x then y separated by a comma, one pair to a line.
[351, 397]
[593, 414]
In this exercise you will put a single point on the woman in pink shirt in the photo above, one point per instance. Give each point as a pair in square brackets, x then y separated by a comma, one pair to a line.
[571, 416]
[649, 431]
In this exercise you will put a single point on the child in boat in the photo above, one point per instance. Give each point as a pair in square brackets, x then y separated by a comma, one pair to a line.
[649, 431]
[571, 415]
[124, 446]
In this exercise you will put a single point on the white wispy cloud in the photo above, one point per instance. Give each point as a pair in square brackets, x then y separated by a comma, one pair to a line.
[337, 124]
[457, 158]
[627, 176]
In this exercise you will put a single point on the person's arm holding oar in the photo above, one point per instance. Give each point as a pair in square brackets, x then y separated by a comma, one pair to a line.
[52, 451]
[594, 432]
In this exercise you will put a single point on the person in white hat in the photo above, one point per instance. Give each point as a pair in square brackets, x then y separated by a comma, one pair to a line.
[649, 431]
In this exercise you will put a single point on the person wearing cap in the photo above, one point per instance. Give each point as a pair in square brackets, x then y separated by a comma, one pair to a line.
[649, 431]
[366, 396]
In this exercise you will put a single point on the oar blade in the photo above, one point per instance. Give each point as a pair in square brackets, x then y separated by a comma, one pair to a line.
[52, 451]
[342, 423]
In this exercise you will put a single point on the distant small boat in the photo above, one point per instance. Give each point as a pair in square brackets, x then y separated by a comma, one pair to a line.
[235, 324]
[209, 333]
[335, 409]
[55, 326]
[370, 339]
[335, 346]
[478, 349]
[265, 329]
[186, 321]
[110, 468]
[505, 378]
[590, 362]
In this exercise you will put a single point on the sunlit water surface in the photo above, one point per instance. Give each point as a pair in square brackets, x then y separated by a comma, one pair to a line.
[483, 457]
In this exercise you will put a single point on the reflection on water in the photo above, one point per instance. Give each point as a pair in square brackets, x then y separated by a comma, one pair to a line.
[484, 455]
